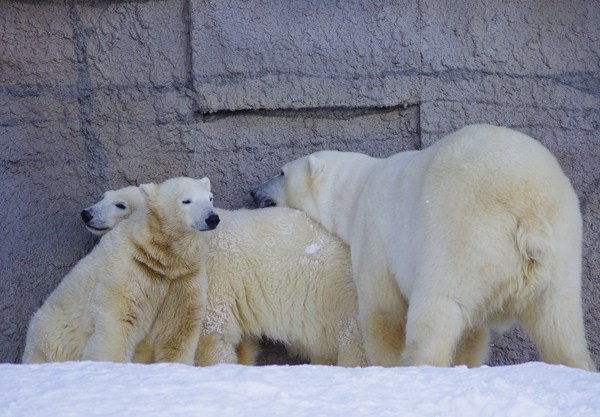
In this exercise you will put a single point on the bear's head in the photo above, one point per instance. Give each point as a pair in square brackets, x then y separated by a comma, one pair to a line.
[298, 184]
[115, 206]
[180, 205]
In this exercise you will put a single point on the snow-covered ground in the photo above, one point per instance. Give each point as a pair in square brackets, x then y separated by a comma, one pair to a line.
[109, 389]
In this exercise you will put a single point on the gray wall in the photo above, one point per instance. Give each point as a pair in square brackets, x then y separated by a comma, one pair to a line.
[96, 95]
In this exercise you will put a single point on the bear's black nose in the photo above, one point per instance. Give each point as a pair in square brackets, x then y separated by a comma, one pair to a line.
[212, 221]
[86, 216]
[252, 193]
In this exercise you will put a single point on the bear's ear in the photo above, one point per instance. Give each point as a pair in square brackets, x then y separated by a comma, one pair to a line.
[315, 165]
[148, 190]
[206, 182]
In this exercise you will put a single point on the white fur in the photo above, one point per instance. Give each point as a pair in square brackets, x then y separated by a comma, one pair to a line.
[115, 206]
[479, 229]
[311, 303]
[144, 280]
[277, 273]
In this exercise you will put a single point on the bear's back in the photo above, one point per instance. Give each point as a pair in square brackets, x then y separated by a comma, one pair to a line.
[276, 257]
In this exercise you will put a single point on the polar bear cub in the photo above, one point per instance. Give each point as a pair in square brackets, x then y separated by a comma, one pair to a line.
[479, 229]
[277, 273]
[273, 273]
[116, 205]
[144, 280]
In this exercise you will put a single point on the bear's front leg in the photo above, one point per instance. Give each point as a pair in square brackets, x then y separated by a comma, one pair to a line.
[213, 349]
[473, 348]
[247, 351]
[123, 313]
[221, 332]
[382, 308]
[350, 345]
[144, 352]
[177, 327]
[435, 324]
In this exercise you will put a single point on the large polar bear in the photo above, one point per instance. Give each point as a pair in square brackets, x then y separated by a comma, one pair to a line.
[479, 229]
[145, 279]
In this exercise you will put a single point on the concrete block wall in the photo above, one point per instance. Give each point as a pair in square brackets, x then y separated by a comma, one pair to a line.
[99, 94]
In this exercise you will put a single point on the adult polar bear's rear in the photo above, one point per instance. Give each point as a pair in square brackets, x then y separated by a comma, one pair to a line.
[480, 228]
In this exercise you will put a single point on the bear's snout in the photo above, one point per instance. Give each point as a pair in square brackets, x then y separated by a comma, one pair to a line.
[212, 221]
[86, 216]
[260, 200]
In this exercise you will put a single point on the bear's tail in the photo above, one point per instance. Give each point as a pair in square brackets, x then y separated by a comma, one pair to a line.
[534, 243]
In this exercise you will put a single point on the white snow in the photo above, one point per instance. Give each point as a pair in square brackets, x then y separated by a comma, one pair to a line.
[312, 249]
[109, 389]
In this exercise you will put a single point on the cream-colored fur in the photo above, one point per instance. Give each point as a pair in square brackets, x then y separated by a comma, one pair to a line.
[116, 205]
[254, 250]
[277, 273]
[479, 229]
[144, 280]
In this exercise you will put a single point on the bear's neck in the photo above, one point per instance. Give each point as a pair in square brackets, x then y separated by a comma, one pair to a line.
[168, 256]
[337, 205]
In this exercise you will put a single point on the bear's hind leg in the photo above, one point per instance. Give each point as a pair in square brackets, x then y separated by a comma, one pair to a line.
[554, 321]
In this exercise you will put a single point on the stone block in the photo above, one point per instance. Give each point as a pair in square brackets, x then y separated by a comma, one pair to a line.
[276, 54]
[37, 45]
[519, 39]
[135, 43]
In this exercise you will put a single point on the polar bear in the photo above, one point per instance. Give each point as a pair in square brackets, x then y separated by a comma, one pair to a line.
[144, 280]
[102, 217]
[277, 273]
[273, 273]
[479, 229]
[290, 235]
[116, 205]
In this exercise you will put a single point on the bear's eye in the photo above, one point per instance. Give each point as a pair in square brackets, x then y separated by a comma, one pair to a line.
[121, 206]
[281, 174]
[211, 198]
[186, 201]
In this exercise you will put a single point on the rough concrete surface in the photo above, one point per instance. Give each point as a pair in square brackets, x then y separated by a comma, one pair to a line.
[282, 54]
[99, 94]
